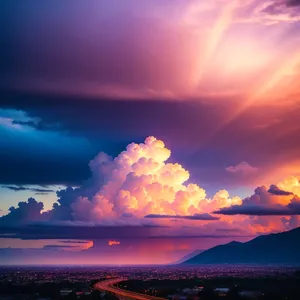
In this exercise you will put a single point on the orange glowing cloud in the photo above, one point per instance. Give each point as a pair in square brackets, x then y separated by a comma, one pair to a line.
[88, 245]
[113, 243]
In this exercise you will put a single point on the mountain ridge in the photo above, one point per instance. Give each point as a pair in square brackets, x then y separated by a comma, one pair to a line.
[275, 248]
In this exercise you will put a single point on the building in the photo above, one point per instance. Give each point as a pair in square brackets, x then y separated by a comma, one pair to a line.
[221, 292]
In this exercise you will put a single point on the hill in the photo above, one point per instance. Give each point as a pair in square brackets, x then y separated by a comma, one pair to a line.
[280, 248]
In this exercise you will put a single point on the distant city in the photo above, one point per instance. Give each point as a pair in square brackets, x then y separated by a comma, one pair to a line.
[197, 283]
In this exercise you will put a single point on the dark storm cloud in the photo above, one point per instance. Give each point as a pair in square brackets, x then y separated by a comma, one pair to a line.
[199, 217]
[42, 157]
[276, 191]
[109, 126]
[103, 118]
[186, 127]
[41, 231]
[35, 170]
[22, 188]
[82, 232]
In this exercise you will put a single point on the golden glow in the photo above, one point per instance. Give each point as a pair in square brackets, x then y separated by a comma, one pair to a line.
[215, 35]
[286, 69]
[266, 91]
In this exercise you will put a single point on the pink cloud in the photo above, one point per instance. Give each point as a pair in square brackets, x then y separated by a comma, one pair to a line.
[242, 167]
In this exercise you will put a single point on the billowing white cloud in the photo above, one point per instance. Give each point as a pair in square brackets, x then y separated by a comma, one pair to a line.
[140, 181]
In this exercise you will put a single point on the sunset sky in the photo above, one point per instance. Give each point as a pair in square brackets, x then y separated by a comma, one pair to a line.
[136, 132]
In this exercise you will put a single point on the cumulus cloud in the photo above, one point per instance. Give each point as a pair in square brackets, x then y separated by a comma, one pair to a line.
[290, 184]
[30, 211]
[242, 167]
[280, 199]
[139, 182]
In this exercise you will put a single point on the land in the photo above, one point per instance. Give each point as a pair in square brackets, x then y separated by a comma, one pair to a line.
[199, 283]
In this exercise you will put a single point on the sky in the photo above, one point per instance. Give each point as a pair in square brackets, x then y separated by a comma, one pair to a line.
[136, 132]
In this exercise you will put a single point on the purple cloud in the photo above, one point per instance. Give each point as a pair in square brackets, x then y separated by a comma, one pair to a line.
[278, 7]
[260, 210]
[198, 217]
[276, 191]
[30, 211]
